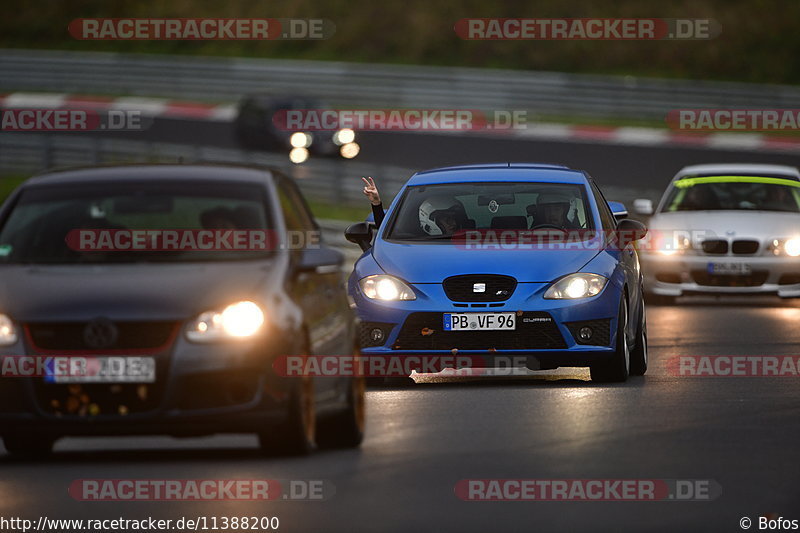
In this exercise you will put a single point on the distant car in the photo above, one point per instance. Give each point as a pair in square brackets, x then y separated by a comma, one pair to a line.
[725, 229]
[203, 328]
[420, 291]
[256, 128]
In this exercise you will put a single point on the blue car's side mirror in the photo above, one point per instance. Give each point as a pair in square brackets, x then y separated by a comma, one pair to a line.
[360, 234]
[619, 210]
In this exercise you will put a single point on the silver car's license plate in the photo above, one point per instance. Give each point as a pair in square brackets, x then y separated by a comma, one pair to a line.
[479, 321]
[729, 268]
[110, 369]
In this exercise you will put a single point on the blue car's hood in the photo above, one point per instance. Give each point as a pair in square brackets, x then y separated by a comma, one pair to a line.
[432, 263]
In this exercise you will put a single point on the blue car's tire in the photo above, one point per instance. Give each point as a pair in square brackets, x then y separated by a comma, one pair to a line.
[616, 368]
[639, 351]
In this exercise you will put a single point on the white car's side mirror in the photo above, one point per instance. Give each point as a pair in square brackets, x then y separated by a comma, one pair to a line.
[643, 206]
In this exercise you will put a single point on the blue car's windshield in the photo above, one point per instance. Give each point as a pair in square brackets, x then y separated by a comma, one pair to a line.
[436, 213]
[135, 222]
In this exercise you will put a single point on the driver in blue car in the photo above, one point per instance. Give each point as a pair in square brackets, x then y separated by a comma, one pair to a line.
[552, 211]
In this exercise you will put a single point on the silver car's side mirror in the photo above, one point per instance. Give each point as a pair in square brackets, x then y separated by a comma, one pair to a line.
[643, 206]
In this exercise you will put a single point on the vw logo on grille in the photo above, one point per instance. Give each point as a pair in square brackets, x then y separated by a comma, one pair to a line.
[100, 333]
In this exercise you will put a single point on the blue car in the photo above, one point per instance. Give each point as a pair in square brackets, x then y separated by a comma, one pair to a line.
[504, 262]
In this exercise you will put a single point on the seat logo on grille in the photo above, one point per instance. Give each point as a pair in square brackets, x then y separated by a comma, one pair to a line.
[100, 333]
[478, 287]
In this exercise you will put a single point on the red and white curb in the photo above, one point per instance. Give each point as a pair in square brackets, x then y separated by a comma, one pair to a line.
[176, 109]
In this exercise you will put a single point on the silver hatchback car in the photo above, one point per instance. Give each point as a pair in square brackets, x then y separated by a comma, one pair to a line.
[724, 229]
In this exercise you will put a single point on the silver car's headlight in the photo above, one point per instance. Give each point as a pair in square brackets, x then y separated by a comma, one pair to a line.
[385, 287]
[790, 247]
[8, 333]
[574, 286]
[237, 321]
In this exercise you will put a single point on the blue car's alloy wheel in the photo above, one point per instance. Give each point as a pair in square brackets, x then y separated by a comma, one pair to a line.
[617, 368]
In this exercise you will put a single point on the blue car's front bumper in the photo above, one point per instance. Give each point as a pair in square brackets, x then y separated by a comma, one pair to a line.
[546, 330]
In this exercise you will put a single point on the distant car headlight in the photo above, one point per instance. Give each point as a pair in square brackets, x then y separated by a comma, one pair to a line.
[301, 139]
[239, 320]
[298, 155]
[349, 150]
[574, 286]
[8, 333]
[790, 247]
[344, 136]
[387, 288]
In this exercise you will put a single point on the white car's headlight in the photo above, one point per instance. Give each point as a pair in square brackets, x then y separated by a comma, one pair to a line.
[579, 285]
[8, 333]
[387, 288]
[238, 320]
[790, 247]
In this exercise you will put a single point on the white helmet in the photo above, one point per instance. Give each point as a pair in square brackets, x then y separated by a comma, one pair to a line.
[558, 198]
[431, 208]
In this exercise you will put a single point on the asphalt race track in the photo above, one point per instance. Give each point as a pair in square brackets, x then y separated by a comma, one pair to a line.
[739, 432]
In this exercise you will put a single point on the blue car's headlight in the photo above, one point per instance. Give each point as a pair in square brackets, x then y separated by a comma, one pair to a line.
[385, 287]
[8, 333]
[574, 286]
[237, 321]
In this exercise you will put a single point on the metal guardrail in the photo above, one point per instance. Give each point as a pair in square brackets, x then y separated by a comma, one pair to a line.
[362, 85]
[332, 181]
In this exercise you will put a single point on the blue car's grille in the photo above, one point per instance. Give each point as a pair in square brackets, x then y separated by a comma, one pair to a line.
[479, 288]
[535, 331]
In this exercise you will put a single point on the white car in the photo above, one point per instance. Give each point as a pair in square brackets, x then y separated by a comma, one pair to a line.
[724, 229]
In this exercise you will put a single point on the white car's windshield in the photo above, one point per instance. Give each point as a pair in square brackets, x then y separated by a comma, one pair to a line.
[437, 212]
[746, 193]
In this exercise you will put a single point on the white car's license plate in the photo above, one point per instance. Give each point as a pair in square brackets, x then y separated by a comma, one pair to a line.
[729, 268]
[479, 321]
[106, 369]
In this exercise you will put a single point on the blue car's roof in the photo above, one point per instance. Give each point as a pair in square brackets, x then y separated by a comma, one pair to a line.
[499, 172]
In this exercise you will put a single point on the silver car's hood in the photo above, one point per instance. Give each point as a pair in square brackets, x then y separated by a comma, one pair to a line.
[730, 224]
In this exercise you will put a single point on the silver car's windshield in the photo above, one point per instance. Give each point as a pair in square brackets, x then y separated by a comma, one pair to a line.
[101, 222]
[711, 193]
